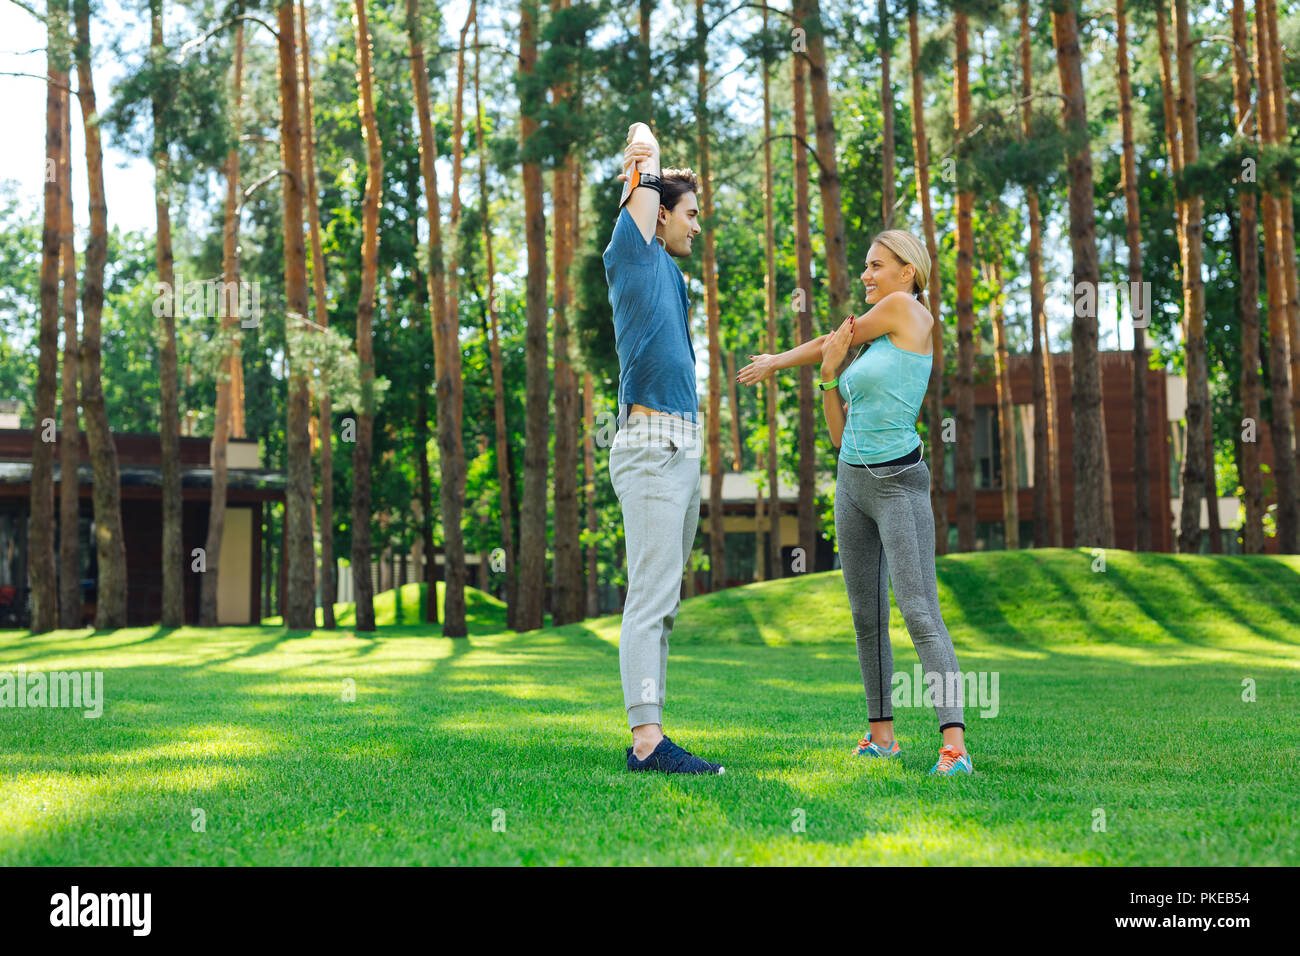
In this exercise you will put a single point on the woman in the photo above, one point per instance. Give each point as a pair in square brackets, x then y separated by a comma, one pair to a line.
[883, 524]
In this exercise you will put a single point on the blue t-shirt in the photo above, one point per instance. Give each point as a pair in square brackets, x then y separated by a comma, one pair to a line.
[652, 332]
[884, 387]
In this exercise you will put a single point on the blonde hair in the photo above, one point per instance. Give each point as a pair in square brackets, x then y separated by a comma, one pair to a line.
[910, 251]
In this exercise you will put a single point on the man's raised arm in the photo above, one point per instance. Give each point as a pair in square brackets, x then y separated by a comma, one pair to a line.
[641, 157]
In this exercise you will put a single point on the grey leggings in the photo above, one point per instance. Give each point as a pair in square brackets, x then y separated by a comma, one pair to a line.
[885, 533]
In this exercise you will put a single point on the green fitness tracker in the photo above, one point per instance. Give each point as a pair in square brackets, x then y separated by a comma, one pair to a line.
[827, 386]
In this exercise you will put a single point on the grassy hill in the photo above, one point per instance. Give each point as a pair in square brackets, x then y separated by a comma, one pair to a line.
[1010, 597]
[404, 607]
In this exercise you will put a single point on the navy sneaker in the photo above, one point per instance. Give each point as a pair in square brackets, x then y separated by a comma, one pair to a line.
[670, 758]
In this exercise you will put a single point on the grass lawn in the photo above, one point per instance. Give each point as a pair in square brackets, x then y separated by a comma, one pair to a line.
[1120, 693]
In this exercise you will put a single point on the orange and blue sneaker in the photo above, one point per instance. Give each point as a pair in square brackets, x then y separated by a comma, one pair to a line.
[952, 762]
[867, 748]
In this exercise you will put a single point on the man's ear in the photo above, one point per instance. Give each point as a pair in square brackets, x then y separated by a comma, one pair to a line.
[662, 217]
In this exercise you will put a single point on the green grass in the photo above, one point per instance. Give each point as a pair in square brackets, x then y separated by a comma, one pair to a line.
[1120, 692]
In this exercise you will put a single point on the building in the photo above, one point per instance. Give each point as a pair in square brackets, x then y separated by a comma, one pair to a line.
[250, 489]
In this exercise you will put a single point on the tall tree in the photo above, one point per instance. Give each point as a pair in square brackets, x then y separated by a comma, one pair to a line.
[1252, 535]
[1286, 209]
[589, 493]
[809, 17]
[532, 532]
[69, 486]
[769, 288]
[361, 452]
[567, 590]
[1047, 479]
[325, 415]
[227, 303]
[1088, 426]
[803, 295]
[1132, 222]
[934, 398]
[965, 296]
[446, 350]
[110, 604]
[1196, 461]
[1006, 411]
[169, 426]
[504, 481]
[888, 189]
[1271, 131]
[41, 540]
[717, 539]
[300, 606]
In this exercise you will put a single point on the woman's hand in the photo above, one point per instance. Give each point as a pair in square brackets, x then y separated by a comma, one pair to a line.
[763, 366]
[835, 347]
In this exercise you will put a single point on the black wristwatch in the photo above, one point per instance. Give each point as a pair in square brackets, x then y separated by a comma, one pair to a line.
[651, 181]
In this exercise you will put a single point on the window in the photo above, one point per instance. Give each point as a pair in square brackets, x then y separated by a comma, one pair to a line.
[988, 449]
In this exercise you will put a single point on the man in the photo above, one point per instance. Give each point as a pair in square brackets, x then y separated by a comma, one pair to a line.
[654, 462]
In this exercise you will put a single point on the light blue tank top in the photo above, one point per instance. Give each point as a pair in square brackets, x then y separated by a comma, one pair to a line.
[884, 387]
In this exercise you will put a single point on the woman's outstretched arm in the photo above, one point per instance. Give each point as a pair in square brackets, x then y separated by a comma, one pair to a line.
[879, 321]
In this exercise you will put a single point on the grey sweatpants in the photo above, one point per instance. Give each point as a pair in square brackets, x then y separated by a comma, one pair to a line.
[885, 532]
[654, 465]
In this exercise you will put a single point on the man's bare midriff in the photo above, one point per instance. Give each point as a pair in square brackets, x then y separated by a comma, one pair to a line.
[634, 409]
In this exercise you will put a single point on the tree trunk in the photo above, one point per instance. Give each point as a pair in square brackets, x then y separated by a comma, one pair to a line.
[1282, 422]
[228, 303]
[717, 536]
[300, 559]
[1252, 535]
[110, 604]
[532, 535]
[965, 304]
[1006, 425]
[1141, 428]
[769, 283]
[733, 403]
[567, 589]
[934, 398]
[444, 332]
[169, 426]
[502, 441]
[646, 98]
[808, 14]
[45, 598]
[1040, 353]
[1195, 464]
[1085, 397]
[589, 493]
[325, 415]
[1286, 211]
[69, 486]
[887, 186]
[361, 453]
[803, 310]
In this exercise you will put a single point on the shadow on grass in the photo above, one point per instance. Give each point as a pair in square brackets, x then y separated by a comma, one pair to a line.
[533, 726]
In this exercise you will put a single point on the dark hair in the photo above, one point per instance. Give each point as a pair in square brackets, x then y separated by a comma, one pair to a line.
[677, 183]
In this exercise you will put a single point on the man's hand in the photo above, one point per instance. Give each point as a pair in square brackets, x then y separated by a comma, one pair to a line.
[642, 154]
